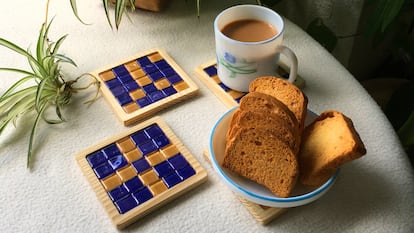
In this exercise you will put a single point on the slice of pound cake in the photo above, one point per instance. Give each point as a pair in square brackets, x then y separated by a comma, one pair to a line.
[327, 143]
[256, 119]
[267, 104]
[260, 155]
[285, 92]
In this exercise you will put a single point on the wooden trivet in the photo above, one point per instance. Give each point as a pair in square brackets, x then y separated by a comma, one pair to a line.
[138, 86]
[140, 170]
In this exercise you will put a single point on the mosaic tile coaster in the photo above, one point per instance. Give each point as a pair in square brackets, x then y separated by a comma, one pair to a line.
[140, 170]
[141, 85]
[263, 214]
[207, 73]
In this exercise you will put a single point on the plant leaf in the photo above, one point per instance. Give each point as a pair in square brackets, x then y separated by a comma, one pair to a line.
[391, 10]
[120, 6]
[106, 7]
[16, 85]
[32, 134]
[75, 11]
[17, 49]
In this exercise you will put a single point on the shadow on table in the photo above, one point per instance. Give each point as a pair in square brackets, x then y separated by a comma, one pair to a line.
[359, 194]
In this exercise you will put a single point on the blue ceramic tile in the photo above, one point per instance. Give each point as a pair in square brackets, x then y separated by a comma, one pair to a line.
[149, 68]
[141, 165]
[156, 96]
[125, 78]
[133, 184]
[211, 71]
[103, 171]
[186, 172]
[154, 131]
[124, 99]
[168, 72]
[147, 148]
[149, 88]
[224, 87]
[139, 137]
[118, 193]
[126, 204]
[118, 162]
[156, 75]
[120, 70]
[119, 90]
[96, 159]
[144, 101]
[113, 83]
[163, 169]
[174, 79]
[161, 64]
[169, 91]
[172, 180]
[161, 141]
[178, 161]
[131, 86]
[143, 61]
[143, 195]
[111, 151]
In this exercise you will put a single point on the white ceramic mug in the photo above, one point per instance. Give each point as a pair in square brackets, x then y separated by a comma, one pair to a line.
[239, 63]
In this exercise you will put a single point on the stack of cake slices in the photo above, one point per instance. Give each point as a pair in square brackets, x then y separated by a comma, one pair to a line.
[267, 141]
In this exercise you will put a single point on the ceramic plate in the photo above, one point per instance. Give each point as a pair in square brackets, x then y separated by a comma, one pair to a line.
[251, 190]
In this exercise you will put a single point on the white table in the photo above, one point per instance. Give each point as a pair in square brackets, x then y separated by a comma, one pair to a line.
[372, 194]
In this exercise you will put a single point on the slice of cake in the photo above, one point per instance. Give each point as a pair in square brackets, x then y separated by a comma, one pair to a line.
[328, 143]
[285, 92]
[267, 104]
[261, 156]
[256, 119]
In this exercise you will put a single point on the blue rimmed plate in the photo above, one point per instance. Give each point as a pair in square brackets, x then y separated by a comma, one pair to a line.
[251, 190]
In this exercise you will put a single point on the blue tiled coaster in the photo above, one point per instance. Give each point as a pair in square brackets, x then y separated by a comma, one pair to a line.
[143, 84]
[139, 170]
[207, 73]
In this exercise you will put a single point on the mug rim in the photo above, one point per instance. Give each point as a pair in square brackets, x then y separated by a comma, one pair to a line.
[279, 34]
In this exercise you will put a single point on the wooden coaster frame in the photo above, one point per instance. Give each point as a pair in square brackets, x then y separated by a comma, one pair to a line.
[123, 220]
[133, 112]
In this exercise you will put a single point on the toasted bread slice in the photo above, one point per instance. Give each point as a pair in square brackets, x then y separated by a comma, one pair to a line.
[285, 92]
[267, 104]
[327, 143]
[261, 156]
[252, 120]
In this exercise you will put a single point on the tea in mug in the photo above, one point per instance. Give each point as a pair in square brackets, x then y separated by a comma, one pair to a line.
[249, 30]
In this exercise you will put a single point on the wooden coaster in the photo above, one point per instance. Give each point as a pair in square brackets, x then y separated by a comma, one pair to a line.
[140, 170]
[263, 214]
[207, 73]
[143, 84]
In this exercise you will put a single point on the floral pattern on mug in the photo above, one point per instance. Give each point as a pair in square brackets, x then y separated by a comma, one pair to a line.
[237, 66]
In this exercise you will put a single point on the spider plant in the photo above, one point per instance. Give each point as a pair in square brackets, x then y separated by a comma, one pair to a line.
[41, 88]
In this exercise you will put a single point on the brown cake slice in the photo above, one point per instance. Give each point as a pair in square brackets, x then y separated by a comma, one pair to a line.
[252, 120]
[261, 156]
[267, 104]
[328, 143]
[285, 92]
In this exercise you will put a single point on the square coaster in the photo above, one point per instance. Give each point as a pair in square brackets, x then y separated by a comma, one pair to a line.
[207, 73]
[139, 170]
[143, 84]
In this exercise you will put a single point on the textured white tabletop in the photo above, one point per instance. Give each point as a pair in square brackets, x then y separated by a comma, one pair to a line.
[372, 194]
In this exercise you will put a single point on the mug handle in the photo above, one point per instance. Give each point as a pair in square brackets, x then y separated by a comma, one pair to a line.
[281, 49]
